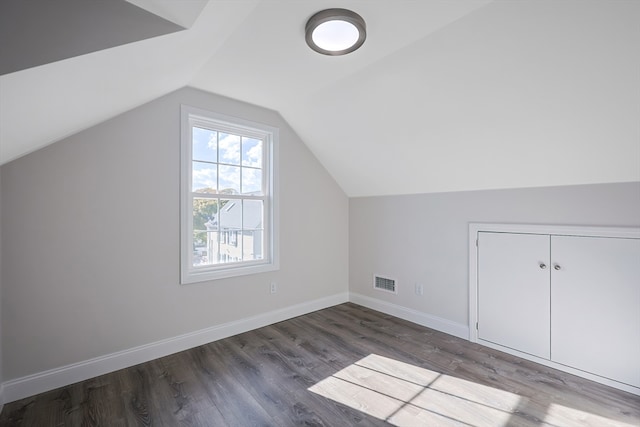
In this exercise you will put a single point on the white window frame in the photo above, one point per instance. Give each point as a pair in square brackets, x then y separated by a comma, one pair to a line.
[190, 117]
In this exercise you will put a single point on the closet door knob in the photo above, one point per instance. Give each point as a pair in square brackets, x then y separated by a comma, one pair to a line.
[557, 267]
[543, 265]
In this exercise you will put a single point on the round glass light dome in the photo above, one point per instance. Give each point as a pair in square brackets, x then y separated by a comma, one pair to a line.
[335, 32]
[335, 35]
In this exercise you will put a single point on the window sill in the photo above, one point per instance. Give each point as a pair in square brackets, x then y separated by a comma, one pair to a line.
[204, 275]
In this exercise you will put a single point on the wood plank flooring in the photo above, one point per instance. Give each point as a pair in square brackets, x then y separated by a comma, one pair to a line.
[342, 366]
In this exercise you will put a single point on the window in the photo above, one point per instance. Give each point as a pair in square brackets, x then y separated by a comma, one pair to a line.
[229, 209]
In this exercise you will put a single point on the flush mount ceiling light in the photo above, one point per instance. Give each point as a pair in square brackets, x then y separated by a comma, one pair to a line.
[335, 32]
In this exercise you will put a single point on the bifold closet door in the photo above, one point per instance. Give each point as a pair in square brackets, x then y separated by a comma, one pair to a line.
[595, 310]
[513, 291]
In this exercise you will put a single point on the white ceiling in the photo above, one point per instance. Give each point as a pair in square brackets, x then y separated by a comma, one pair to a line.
[443, 96]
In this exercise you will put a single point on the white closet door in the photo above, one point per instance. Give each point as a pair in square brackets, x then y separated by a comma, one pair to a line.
[513, 291]
[595, 314]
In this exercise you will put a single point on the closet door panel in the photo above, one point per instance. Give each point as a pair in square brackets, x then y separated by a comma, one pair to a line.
[513, 291]
[595, 311]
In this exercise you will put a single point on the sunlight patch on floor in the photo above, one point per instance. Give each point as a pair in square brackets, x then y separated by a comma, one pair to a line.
[406, 395]
[562, 415]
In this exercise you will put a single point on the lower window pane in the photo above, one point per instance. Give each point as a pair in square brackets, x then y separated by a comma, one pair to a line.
[227, 231]
[230, 246]
[252, 245]
[252, 214]
[205, 214]
[205, 248]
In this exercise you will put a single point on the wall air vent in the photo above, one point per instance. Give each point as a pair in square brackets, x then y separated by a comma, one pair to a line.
[384, 284]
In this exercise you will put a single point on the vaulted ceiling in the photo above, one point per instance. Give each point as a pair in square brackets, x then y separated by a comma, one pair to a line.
[443, 96]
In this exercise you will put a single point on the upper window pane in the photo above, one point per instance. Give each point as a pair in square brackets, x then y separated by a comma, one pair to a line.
[251, 152]
[205, 144]
[229, 149]
[229, 179]
[204, 178]
[252, 181]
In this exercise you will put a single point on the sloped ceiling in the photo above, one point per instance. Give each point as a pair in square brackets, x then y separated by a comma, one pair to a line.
[443, 96]
[37, 32]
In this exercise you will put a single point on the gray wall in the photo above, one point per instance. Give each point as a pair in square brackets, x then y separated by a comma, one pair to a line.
[68, 28]
[93, 226]
[423, 238]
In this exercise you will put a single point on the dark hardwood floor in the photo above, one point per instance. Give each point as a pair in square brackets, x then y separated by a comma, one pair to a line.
[346, 365]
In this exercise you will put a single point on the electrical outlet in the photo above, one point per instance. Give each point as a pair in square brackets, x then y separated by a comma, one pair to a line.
[419, 289]
[274, 287]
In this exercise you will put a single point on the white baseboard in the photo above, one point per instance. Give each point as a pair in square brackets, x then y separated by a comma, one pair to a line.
[439, 324]
[30, 385]
[40, 382]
